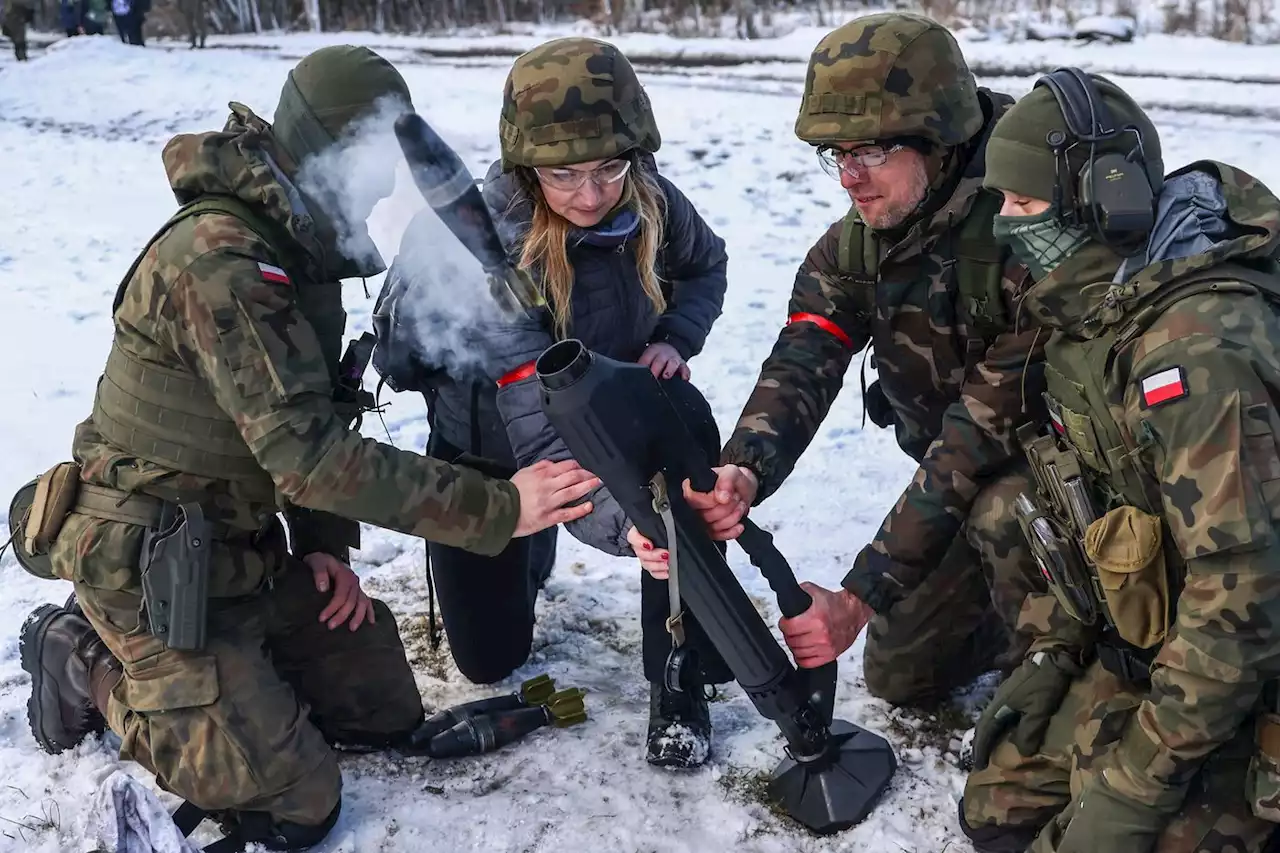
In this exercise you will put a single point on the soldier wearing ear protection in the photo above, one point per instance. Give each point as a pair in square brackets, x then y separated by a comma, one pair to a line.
[1144, 716]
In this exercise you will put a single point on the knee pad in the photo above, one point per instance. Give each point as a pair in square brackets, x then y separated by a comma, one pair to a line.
[992, 838]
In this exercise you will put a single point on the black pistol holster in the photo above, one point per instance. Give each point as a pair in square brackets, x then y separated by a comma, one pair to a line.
[175, 576]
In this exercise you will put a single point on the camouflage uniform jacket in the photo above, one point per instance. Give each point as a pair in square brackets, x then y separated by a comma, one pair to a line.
[1193, 399]
[213, 302]
[957, 399]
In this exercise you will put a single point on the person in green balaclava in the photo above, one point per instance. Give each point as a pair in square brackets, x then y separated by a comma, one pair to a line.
[220, 407]
[1143, 716]
[1021, 162]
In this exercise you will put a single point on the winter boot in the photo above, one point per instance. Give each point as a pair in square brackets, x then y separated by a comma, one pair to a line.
[679, 728]
[72, 673]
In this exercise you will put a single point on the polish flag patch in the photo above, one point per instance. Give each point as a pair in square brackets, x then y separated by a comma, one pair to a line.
[274, 274]
[1056, 419]
[1164, 386]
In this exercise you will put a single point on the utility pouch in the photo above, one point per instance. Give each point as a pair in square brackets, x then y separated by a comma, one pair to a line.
[1262, 782]
[1125, 548]
[175, 577]
[55, 495]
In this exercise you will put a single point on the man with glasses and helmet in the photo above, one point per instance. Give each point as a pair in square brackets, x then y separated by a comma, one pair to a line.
[913, 272]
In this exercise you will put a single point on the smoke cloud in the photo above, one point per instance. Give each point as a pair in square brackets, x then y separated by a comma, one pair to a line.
[438, 299]
[436, 292]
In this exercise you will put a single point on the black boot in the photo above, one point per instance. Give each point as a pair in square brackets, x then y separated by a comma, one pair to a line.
[679, 728]
[72, 673]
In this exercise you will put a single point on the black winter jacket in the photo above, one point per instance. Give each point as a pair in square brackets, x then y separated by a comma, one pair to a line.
[610, 314]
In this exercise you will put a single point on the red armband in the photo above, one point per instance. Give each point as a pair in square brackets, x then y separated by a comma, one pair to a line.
[824, 324]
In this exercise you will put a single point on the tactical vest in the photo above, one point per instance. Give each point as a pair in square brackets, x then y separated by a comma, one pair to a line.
[169, 416]
[1081, 409]
[978, 260]
[1139, 608]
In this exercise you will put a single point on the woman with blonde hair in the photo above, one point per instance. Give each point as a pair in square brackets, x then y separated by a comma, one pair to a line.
[627, 266]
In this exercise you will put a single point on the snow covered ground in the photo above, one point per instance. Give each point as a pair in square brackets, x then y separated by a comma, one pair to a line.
[80, 133]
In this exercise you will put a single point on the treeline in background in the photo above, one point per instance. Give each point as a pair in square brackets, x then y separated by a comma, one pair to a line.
[1247, 21]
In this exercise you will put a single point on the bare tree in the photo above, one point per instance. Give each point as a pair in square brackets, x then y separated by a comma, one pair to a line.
[1238, 20]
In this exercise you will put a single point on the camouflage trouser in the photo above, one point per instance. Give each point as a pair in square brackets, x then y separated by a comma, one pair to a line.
[243, 725]
[960, 622]
[1023, 794]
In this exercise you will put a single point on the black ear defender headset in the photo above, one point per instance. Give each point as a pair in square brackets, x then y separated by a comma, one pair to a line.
[1112, 195]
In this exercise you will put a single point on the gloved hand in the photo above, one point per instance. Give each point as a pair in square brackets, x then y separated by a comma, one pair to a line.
[1026, 701]
[1103, 821]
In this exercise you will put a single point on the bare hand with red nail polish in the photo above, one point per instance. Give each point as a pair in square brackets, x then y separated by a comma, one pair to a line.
[652, 560]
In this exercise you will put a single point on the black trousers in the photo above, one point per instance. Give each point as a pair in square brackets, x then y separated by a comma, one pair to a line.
[487, 603]
[129, 27]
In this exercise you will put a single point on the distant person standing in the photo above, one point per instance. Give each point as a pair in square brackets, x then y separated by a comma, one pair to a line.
[129, 15]
[196, 13]
[69, 16]
[93, 16]
[18, 13]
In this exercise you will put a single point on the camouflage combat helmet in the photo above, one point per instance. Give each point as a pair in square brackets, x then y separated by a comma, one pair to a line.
[889, 75]
[573, 100]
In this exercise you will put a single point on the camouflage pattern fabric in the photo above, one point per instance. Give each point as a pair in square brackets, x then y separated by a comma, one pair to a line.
[245, 724]
[1193, 395]
[1042, 790]
[888, 75]
[958, 623]
[957, 399]
[213, 302]
[573, 100]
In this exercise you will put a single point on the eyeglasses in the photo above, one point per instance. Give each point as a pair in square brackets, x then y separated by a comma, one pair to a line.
[571, 180]
[835, 160]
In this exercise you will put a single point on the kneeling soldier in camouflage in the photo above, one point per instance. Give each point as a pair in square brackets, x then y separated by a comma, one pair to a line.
[1144, 717]
[912, 270]
[212, 646]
